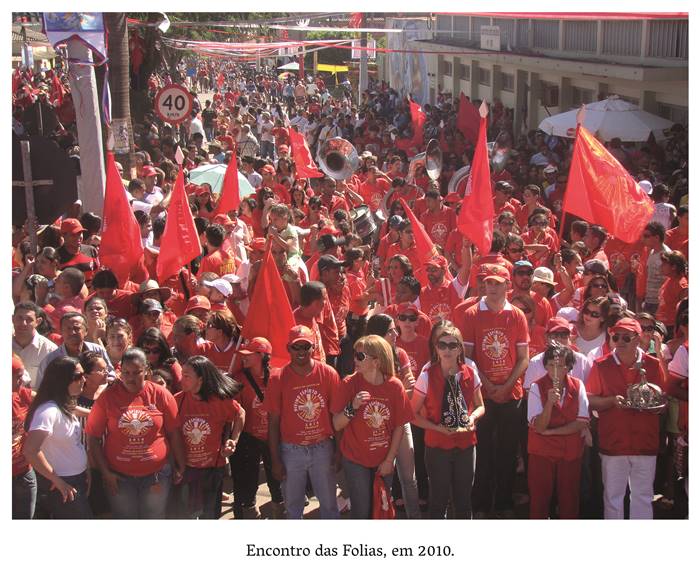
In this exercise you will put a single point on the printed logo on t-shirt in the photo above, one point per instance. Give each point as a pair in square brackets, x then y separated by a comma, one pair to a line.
[135, 423]
[375, 414]
[495, 344]
[441, 310]
[196, 430]
[438, 232]
[376, 200]
[308, 405]
[17, 432]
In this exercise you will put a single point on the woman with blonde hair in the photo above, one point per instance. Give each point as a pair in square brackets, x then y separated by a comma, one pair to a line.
[447, 403]
[371, 409]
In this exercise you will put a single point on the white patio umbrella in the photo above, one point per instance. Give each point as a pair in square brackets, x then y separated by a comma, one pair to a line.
[213, 174]
[608, 119]
[289, 66]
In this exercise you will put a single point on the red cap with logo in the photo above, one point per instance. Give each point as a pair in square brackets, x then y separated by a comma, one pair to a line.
[627, 325]
[198, 302]
[257, 345]
[71, 226]
[148, 170]
[406, 307]
[301, 333]
[557, 324]
[497, 272]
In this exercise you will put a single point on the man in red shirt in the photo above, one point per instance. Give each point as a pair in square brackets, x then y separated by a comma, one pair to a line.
[374, 188]
[438, 220]
[217, 260]
[677, 238]
[495, 256]
[440, 296]
[300, 426]
[313, 296]
[595, 241]
[629, 439]
[522, 281]
[496, 338]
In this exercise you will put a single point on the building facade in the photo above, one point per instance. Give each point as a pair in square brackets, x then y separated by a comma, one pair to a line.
[540, 65]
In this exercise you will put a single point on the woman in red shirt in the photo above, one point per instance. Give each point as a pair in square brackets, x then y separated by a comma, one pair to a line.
[674, 267]
[23, 476]
[371, 409]
[159, 355]
[211, 423]
[132, 435]
[253, 446]
[447, 403]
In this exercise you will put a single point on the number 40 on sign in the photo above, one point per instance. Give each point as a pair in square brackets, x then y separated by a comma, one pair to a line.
[173, 103]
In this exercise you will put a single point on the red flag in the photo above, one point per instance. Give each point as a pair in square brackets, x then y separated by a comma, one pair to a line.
[180, 241]
[57, 90]
[418, 120]
[305, 165]
[468, 119]
[230, 192]
[602, 192]
[120, 248]
[424, 246]
[16, 80]
[475, 220]
[355, 20]
[270, 314]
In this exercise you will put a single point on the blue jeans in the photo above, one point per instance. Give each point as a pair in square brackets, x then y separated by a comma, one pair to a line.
[316, 461]
[24, 495]
[267, 149]
[142, 497]
[450, 474]
[52, 500]
[360, 480]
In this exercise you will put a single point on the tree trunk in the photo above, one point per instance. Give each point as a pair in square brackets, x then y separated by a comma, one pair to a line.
[118, 52]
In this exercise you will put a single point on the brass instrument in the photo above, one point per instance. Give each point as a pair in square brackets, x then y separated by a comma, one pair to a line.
[644, 396]
[338, 158]
[431, 159]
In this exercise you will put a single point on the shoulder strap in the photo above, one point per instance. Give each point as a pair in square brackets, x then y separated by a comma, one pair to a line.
[254, 384]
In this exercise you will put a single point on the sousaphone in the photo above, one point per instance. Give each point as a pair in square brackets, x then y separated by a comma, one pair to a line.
[338, 158]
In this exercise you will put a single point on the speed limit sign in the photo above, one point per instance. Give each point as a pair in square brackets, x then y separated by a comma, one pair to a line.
[173, 103]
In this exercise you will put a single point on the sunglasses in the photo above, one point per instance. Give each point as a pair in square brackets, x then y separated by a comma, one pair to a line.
[442, 345]
[360, 356]
[648, 328]
[408, 318]
[625, 338]
[301, 347]
[592, 314]
[78, 376]
[599, 286]
[508, 223]
[151, 351]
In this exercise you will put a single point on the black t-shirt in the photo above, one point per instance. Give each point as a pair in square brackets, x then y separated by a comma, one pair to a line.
[85, 260]
[208, 116]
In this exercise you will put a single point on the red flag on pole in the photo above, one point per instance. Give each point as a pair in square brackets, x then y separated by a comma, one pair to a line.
[303, 161]
[270, 314]
[425, 248]
[468, 119]
[230, 192]
[180, 241]
[57, 90]
[475, 220]
[418, 120]
[120, 248]
[602, 192]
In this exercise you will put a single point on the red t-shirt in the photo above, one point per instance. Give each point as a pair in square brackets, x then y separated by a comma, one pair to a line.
[367, 437]
[619, 255]
[134, 426]
[676, 239]
[303, 403]
[495, 337]
[340, 303]
[439, 225]
[202, 424]
[669, 297]
[373, 193]
[21, 400]
[255, 414]
[218, 262]
[328, 327]
[300, 319]
[439, 302]
[543, 308]
[417, 351]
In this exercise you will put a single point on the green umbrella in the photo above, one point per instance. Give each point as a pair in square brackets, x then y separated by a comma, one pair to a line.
[213, 174]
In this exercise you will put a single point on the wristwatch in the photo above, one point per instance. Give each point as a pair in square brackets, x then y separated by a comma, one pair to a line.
[349, 412]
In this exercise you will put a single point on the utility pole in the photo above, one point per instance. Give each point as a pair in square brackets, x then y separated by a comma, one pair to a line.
[84, 90]
[362, 84]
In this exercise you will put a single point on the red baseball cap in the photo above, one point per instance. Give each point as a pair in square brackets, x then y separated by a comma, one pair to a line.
[557, 324]
[228, 140]
[222, 219]
[148, 170]
[301, 333]
[257, 345]
[406, 307]
[198, 302]
[630, 325]
[438, 261]
[72, 226]
[498, 273]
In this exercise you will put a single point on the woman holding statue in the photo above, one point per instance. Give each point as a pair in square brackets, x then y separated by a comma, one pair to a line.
[557, 411]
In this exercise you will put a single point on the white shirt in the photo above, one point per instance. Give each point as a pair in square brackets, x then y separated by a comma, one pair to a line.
[255, 179]
[679, 364]
[153, 197]
[535, 406]
[196, 127]
[33, 354]
[63, 447]
[535, 370]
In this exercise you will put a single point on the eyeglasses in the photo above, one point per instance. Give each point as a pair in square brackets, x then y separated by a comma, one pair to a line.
[444, 345]
[113, 322]
[648, 328]
[360, 356]
[599, 286]
[78, 376]
[301, 347]
[408, 318]
[526, 272]
[592, 314]
[625, 338]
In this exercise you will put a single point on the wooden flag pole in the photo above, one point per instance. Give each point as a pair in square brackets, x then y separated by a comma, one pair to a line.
[29, 195]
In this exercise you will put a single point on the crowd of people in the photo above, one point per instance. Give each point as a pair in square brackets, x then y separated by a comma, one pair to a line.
[451, 381]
